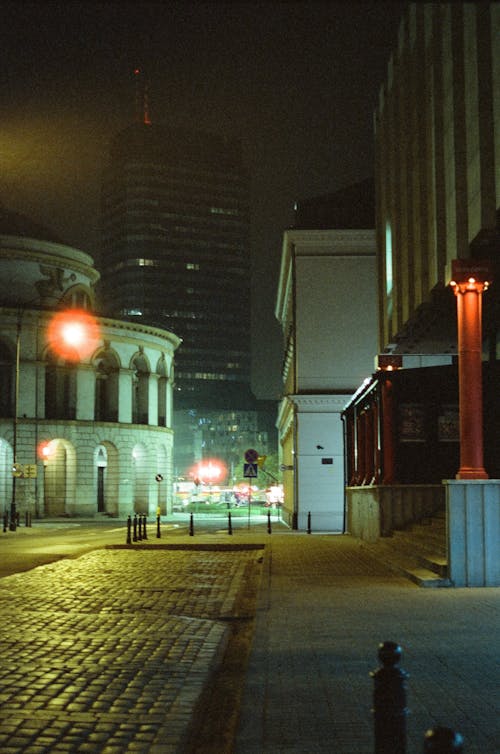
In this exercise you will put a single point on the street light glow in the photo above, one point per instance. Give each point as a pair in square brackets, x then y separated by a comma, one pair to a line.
[209, 471]
[73, 334]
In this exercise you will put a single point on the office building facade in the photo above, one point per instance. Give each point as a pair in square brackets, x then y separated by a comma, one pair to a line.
[437, 143]
[175, 251]
[175, 255]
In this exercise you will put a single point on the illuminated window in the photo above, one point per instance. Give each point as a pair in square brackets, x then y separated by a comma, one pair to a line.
[192, 266]
[388, 267]
[223, 211]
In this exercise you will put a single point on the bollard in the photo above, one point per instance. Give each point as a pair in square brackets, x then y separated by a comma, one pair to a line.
[129, 527]
[158, 533]
[389, 701]
[443, 741]
[144, 532]
[309, 522]
[5, 521]
[134, 538]
[269, 522]
[191, 525]
[229, 524]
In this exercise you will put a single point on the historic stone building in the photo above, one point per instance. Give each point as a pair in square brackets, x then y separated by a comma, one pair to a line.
[84, 432]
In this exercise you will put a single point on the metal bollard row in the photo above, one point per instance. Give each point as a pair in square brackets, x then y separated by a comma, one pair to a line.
[15, 521]
[136, 528]
[390, 710]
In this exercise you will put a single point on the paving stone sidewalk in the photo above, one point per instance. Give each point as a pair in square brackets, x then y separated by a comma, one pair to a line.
[324, 607]
[109, 652]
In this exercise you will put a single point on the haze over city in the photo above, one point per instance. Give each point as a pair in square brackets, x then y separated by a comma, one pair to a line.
[298, 83]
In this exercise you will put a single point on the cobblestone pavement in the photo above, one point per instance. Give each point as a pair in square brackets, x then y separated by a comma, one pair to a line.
[109, 652]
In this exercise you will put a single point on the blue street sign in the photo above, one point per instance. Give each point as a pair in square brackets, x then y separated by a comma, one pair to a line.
[250, 470]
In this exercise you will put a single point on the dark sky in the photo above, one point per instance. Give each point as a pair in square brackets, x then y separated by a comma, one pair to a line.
[297, 81]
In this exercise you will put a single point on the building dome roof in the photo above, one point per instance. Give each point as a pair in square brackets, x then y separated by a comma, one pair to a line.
[17, 224]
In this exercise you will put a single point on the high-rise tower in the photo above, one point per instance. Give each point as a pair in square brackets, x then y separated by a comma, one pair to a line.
[175, 251]
[175, 238]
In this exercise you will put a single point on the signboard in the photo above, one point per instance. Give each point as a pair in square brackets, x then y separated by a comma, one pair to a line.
[24, 470]
[251, 456]
[159, 477]
[463, 269]
[250, 470]
[389, 361]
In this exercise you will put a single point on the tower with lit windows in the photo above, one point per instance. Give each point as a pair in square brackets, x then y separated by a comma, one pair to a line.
[175, 255]
[175, 252]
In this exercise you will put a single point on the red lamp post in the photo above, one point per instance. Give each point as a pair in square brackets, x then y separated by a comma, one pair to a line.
[470, 280]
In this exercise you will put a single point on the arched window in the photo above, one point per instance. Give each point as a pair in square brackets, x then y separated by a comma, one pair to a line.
[7, 369]
[106, 393]
[60, 388]
[77, 297]
[140, 390]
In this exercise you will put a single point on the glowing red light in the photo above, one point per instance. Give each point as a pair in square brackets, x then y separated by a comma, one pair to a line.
[44, 450]
[209, 471]
[73, 334]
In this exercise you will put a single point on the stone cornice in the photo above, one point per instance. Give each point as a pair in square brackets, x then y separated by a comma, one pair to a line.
[320, 403]
[332, 242]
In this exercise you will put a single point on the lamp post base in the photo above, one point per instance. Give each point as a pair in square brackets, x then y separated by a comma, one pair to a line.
[470, 473]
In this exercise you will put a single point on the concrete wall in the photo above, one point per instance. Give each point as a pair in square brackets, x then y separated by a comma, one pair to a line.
[320, 462]
[473, 532]
[329, 344]
[376, 511]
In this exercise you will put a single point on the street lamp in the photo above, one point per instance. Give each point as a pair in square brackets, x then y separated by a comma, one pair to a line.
[15, 466]
[73, 333]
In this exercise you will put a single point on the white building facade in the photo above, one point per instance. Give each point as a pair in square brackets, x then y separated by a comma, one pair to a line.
[87, 435]
[326, 305]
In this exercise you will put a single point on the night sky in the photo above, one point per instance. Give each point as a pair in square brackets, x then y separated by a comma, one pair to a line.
[297, 81]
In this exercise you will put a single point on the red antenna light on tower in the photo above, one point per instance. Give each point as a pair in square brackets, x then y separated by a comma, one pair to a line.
[141, 97]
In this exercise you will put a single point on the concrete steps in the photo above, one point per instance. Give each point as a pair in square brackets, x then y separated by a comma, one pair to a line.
[418, 552]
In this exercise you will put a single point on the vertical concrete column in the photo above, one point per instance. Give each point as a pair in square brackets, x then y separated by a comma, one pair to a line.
[125, 396]
[469, 302]
[85, 392]
[153, 399]
[170, 402]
